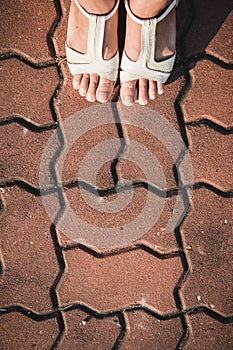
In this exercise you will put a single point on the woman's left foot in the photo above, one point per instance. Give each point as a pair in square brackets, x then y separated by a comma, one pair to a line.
[92, 86]
[132, 92]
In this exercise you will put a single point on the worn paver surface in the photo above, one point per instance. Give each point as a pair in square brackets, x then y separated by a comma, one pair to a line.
[116, 227]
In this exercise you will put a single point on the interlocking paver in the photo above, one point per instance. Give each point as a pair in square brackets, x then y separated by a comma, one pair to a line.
[87, 333]
[119, 281]
[208, 237]
[111, 296]
[30, 264]
[25, 28]
[155, 231]
[80, 162]
[18, 331]
[210, 153]
[208, 18]
[30, 93]
[59, 37]
[204, 100]
[208, 333]
[21, 155]
[147, 332]
[220, 45]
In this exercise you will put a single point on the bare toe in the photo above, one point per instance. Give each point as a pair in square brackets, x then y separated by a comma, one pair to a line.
[128, 92]
[160, 88]
[76, 81]
[152, 89]
[104, 90]
[142, 92]
[84, 85]
[91, 93]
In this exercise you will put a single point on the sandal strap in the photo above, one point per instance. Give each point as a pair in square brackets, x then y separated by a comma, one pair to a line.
[138, 20]
[92, 61]
[107, 16]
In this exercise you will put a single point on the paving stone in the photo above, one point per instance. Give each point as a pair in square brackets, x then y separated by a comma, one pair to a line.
[21, 154]
[210, 154]
[59, 37]
[126, 219]
[119, 281]
[154, 142]
[220, 45]
[92, 154]
[147, 333]
[87, 332]
[29, 261]
[24, 20]
[204, 100]
[207, 28]
[26, 91]
[208, 333]
[208, 237]
[20, 332]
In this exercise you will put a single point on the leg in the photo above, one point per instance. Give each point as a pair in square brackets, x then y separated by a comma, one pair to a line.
[92, 86]
[165, 47]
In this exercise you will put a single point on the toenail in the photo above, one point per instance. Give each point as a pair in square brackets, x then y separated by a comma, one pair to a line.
[82, 92]
[143, 102]
[90, 98]
[102, 97]
[128, 100]
[75, 85]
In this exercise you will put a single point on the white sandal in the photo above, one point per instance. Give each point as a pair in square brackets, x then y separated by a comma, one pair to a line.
[146, 66]
[92, 61]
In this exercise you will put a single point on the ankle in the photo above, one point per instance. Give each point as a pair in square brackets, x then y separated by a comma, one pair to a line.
[149, 9]
[99, 7]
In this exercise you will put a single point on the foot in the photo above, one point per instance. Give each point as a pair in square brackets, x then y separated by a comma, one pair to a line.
[142, 90]
[91, 86]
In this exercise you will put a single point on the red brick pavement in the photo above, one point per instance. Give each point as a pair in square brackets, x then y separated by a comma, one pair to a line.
[166, 288]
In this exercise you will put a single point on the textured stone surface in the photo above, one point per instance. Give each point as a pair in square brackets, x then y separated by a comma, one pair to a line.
[119, 281]
[148, 332]
[208, 236]
[26, 91]
[86, 332]
[21, 22]
[209, 29]
[167, 288]
[20, 332]
[206, 332]
[21, 155]
[29, 261]
[204, 100]
[209, 165]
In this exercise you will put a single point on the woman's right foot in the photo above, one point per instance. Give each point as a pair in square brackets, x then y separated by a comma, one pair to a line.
[92, 86]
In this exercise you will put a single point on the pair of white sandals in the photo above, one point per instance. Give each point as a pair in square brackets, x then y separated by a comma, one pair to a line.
[145, 67]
